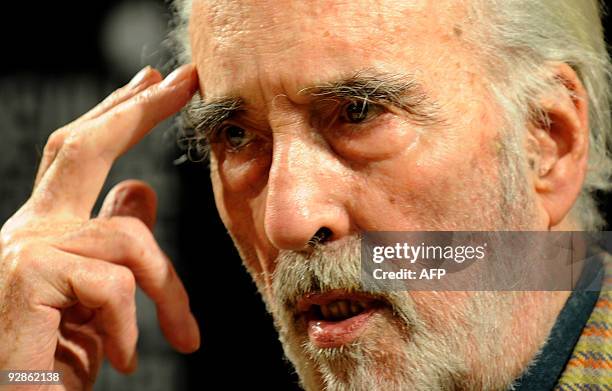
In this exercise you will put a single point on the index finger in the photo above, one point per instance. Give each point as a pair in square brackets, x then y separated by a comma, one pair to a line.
[74, 179]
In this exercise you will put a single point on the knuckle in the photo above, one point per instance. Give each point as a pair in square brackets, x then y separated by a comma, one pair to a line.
[114, 97]
[139, 236]
[142, 104]
[139, 242]
[108, 227]
[20, 240]
[132, 239]
[20, 260]
[12, 255]
[9, 234]
[125, 283]
[55, 142]
[144, 98]
[72, 147]
[132, 227]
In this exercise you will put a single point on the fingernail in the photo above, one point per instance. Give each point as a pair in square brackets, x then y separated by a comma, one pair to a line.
[140, 77]
[176, 76]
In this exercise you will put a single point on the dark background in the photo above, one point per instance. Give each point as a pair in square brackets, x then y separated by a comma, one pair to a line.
[58, 60]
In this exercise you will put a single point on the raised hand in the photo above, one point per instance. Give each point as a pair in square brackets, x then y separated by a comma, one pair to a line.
[67, 281]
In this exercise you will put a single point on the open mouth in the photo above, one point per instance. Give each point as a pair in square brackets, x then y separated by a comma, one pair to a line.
[336, 318]
[339, 310]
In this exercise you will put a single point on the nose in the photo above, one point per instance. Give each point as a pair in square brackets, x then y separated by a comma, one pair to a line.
[304, 204]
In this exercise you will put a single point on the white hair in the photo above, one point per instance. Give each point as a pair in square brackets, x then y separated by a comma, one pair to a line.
[518, 40]
[179, 35]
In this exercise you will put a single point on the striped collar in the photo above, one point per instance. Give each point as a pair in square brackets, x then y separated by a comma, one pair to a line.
[590, 365]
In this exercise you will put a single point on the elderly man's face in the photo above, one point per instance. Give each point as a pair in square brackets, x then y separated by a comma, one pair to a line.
[359, 116]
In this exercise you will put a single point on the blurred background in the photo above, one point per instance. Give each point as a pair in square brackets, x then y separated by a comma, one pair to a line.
[60, 59]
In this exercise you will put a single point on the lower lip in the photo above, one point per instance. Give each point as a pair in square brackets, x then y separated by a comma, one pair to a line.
[329, 334]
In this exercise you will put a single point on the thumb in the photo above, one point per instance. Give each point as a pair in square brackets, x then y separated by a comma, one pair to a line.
[131, 198]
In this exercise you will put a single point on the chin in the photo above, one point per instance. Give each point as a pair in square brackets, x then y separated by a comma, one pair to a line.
[404, 341]
[376, 349]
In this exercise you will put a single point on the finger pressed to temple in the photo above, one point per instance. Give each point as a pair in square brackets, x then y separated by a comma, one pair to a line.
[145, 78]
[75, 177]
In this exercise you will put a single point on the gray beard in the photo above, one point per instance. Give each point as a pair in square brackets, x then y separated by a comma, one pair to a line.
[400, 350]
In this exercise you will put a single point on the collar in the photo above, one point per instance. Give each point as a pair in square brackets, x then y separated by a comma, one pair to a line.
[554, 356]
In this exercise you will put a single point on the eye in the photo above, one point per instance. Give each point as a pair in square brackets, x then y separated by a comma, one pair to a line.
[359, 111]
[235, 137]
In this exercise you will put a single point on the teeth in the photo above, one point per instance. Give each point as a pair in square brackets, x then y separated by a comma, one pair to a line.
[341, 309]
[343, 306]
[334, 309]
[325, 312]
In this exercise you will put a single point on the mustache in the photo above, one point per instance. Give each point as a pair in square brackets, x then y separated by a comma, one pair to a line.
[328, 268]
[323, 268]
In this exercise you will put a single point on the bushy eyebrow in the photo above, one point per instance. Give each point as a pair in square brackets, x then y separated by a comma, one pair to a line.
[201, 118]
[204, 116]
[396, 90]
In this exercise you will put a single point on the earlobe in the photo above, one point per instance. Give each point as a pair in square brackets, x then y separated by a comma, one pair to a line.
[560, 145]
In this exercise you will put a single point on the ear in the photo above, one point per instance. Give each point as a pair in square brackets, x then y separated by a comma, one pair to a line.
[558, 145]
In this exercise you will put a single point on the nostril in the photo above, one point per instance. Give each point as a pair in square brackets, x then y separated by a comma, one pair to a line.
[321, 236]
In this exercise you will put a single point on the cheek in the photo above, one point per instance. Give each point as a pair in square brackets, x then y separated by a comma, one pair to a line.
[244, 172]
[239, 212]
[440, 309]
[381, 140]
[458, 179]
[434, 185]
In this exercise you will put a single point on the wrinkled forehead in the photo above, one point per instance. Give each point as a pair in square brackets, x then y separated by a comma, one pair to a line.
[229, 38]
[227, 17]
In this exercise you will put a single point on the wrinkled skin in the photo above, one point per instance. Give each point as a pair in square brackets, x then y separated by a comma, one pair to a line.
[291, 173]
[67, 280]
